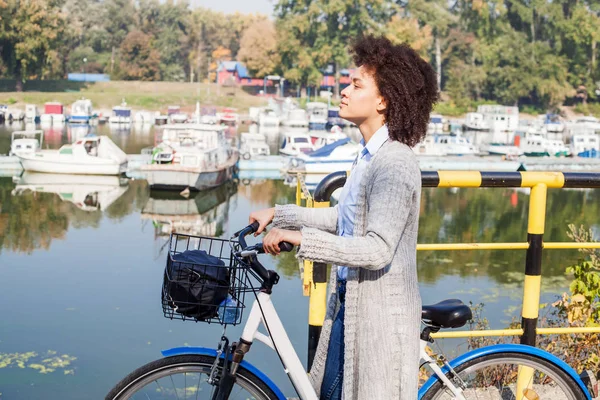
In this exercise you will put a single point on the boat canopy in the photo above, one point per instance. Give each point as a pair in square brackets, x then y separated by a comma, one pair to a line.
[328, 149]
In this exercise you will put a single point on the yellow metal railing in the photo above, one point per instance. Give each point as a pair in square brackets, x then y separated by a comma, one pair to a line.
[539, 183]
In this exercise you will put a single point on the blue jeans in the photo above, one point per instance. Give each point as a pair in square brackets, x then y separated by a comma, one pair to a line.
[331, 389]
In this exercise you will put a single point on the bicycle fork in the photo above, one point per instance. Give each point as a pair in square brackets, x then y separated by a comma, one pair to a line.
[226, 379]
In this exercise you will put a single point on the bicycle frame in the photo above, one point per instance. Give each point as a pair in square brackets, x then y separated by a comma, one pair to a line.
[263, 311]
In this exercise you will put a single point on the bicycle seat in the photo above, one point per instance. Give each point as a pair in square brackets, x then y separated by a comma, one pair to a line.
[451, 313]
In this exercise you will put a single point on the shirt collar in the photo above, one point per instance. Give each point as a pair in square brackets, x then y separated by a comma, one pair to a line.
[377, 140]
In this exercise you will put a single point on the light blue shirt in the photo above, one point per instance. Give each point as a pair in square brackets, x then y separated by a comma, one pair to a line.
[348, 198]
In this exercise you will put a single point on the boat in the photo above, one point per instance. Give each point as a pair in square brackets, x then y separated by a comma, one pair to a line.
[538, 145]
[267, 118]
[208, 115]
[499, 118]
[317, 115]
[81, 111]
[175, 116]
[161, 119]
[120, 114]
[585, 145]
[323, 138]
[193, 156]
[88, 193]
[584, 125]
[14, 114]
[92, 155]
[502, 149]
[295, 143]
[145, 117]
[54, 114]
[3, 108]
[474, 122]
[253, 145]
[452, 145]
[552, 123]
[31, 113]
[228, 117]
[333, 118]
[337, 156]
[296, 119]
[436, 124]
[25, 142]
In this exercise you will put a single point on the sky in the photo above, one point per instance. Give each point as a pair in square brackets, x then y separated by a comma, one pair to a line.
[230, 6]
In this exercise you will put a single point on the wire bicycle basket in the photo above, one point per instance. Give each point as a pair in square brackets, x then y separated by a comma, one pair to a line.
[204, 281]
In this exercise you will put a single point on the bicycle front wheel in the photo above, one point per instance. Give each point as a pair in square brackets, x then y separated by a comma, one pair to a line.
[494, 377]
[185, 377]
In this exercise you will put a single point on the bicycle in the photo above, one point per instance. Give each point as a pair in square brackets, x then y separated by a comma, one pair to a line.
[194, 372]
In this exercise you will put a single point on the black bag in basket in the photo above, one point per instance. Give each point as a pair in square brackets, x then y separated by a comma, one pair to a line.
[195, 283]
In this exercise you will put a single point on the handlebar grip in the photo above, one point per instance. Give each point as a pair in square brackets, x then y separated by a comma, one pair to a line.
[255, 225]
[286, 246]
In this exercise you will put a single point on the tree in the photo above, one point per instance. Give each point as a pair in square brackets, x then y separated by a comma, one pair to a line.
[258, 48]
[30, 30]
[407, 30]
[139, 61]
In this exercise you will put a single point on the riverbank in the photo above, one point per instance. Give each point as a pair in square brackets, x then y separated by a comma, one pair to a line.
[155, 96]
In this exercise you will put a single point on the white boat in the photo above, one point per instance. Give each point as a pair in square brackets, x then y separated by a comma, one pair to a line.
[499, 118]
[81, 111]
[89, 193]
[31, 113]
[538, 145]
[175, 116]
[267, 118]
[317, 115]
[296, 119]
[14, 114]
[323, 138]
[295, 143]
[120, 115]
[585, 124]
[191, 156]
[145, 117]
[585, 145]
[337, 156]
[552, 123]
[228, 116]
[54, 114]
[436, 124]
[474, 121]
[438, 145]
[25, 142]
[502, 149]
[93, 155]
[253, 145]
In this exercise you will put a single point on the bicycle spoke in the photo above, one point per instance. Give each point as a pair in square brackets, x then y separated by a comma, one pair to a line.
[174, 388]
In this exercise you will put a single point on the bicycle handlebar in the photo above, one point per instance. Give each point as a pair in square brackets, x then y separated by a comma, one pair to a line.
[268, 277]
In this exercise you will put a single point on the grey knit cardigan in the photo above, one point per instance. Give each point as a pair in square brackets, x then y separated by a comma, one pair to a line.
[383, 304]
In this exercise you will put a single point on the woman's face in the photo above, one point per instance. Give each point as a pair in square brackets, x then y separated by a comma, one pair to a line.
[361, 100]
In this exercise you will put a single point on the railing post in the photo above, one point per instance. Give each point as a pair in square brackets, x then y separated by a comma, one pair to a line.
[318, 289]
[533, 279]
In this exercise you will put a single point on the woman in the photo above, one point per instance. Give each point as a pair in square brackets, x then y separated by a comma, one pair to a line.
[369, 345]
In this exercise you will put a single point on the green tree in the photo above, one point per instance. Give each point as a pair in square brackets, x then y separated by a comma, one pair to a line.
[139, 61]
[258, 48]
[30, 31]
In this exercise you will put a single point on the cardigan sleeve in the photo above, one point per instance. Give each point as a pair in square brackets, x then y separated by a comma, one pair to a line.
[291, 216]
[392, 196]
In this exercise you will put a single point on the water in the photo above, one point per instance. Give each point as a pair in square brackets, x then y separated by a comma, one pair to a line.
[80, 290]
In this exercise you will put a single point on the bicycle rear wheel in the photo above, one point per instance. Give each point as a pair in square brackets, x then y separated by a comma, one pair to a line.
[494, 377]
[185, 377]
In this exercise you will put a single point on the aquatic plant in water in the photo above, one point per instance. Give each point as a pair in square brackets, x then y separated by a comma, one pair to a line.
[44, 364]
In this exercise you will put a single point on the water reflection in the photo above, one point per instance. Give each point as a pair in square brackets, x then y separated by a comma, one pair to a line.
[88, 193]
[202, 213]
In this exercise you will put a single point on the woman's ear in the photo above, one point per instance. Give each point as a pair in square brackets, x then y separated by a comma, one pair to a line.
[381, 104]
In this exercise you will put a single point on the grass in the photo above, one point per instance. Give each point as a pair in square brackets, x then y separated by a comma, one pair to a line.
[141, 95]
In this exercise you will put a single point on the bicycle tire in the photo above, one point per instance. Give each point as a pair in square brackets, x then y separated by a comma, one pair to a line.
[144, 376]
[569, 386]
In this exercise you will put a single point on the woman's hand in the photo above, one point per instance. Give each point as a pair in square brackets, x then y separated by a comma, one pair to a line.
[263, 217]
[276, 236]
